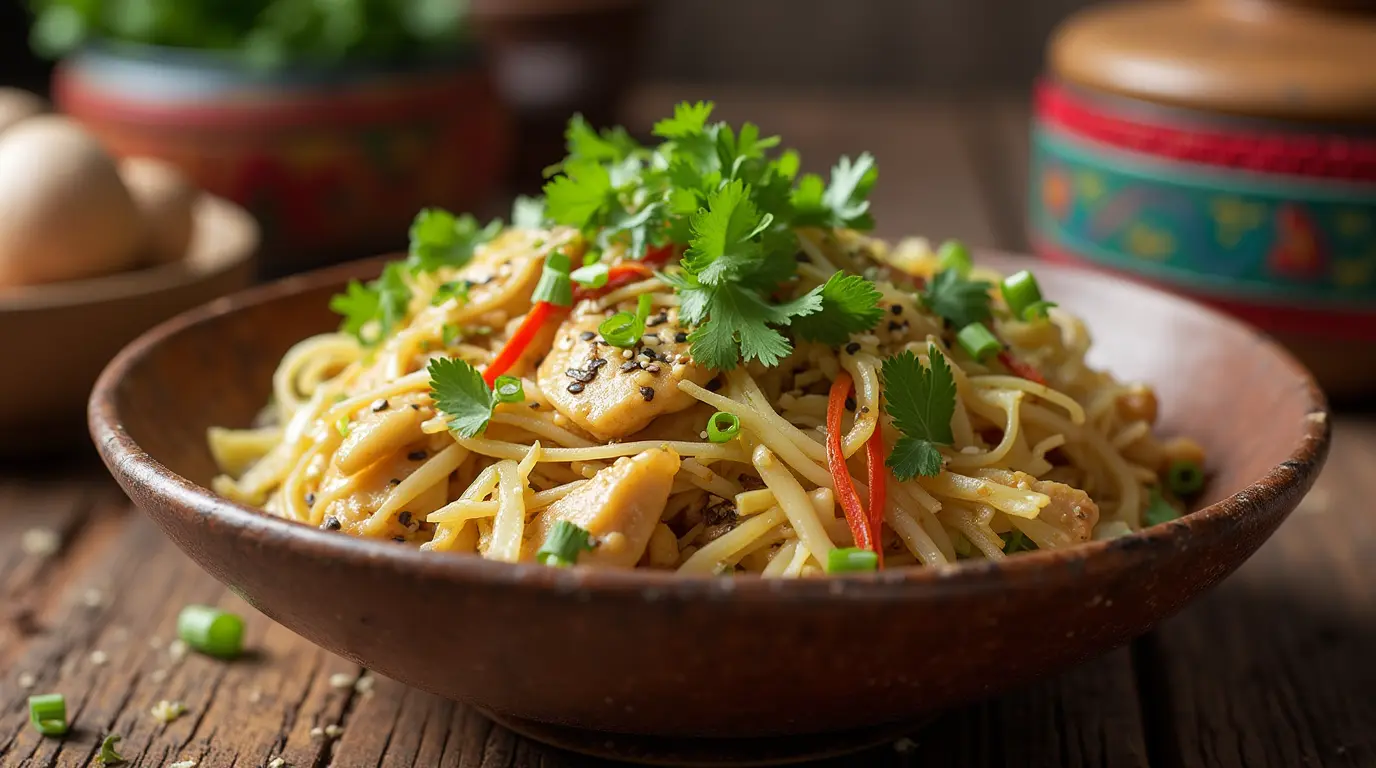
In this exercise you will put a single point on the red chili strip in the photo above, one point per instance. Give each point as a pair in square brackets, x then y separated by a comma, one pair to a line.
[516, 345]
[836, 463]
[1019, 368]
[878, 475]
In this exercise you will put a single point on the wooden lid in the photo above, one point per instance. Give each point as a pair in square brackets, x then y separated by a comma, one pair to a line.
[1312, 60]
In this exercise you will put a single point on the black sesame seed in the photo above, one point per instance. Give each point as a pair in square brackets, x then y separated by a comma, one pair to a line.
[595, 363]
[681, 337]
[660, 319]
[648, 393]
[331, 523]
[630, 365]
[894, 325]
[652, 368]
[587, 335]
[404, 518]
[416, 455]
[896, 309]
[864, 409]
[648, 353]
[393, 482]
[415, 407]
[310, 499]
[714, 384]
[574, 388]
[379, 405]
[580, 375]
[852, 348]
[850, 403]
[534, 406]
[399, 539]
[800, 257]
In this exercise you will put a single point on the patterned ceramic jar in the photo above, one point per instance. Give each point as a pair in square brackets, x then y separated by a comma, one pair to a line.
[333, 161]
[1169, 147]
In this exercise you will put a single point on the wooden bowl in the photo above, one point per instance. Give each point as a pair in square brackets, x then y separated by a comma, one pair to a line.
[58, 337]
[651, 653]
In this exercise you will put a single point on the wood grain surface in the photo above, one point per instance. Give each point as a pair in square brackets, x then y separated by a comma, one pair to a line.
[1273, 668]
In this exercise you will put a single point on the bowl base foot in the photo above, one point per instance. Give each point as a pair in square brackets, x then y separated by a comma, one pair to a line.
[706, 752]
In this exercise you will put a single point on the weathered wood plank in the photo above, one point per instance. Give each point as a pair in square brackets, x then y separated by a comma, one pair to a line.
[1274, 668]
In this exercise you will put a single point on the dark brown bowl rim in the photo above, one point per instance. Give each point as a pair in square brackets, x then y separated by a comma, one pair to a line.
[135, 468]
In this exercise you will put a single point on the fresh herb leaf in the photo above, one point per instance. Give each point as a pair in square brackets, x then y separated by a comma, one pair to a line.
[449, 334]
[850, 304]
[688, 120]
[958, 299]
[528, 212]
[441, 239]
[586, 143]
[1158, 509]
[372, 311]
[461, 394]
[108, 755]
[581, 193]
[358, 304]
[841, 204]
[921, 401]
[725, 244]
[1017, 541]
[454, 289]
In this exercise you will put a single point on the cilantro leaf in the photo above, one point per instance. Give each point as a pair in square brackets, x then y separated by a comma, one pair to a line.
[724, 245]
[737, 324]
[843, 203]
[957, 299]
[528, 212]
[583, 191]
[454, 289]
[850, 304]
[688, 120]
[372, 311]
[1017, 541]
[586, 143]
[460, 392]
[921, 401]
[358, 304]
[1158, 509]
[441, 239]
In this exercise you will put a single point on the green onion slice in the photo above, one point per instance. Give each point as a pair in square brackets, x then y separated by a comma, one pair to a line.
[108, 755]
[723, 427]
[1184, 478]
[342, 426]
[562, 545]
[851, 560]
[624, 329]
[48, 713]
[211, 631]
[954, 255]
[978, 341]
[554, 286]
[1037, 310]
[1020, 292]
[1158, 509]
[591, 276]
[508, 389]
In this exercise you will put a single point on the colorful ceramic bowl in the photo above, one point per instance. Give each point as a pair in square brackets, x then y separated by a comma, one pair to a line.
[1272, 221]
[333, 161]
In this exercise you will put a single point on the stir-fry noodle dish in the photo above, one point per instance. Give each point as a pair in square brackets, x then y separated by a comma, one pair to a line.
[689, 355]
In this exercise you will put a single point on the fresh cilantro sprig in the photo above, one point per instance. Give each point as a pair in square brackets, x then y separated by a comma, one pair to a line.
[461, 394]
[921, 401]
[373, 310]
[850, 304]
[958, 299]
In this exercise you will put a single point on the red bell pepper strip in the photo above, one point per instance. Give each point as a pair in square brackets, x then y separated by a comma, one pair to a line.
[516, 345]
[836, 463]
[878, 477]
[622, 274]
[1019, 368]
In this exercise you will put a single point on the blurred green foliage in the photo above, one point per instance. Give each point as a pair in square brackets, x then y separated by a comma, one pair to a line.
[267, 33]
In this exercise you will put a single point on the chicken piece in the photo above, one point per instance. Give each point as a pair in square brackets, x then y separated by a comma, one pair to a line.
[363, 493]
[375, 434]
[612, 395]
[1071, 510]
[620, 507]
[503, 274]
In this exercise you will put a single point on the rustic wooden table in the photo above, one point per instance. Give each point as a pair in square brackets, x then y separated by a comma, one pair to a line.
[1276, 667]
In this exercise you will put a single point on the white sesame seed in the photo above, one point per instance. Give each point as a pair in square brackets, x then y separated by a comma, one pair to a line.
[342, 680]
[99, 658]
[183, 764]
[167, 711]
[333, 731]
[703, 434]
[364, 685]
[40, 542]
[92, 598]
[27, 681]
[255, 696]
[177, 650]
[317, 732]
[276, 762]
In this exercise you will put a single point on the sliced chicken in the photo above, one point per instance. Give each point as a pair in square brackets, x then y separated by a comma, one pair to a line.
[611, 392]
[1071, 510]
[620, 507]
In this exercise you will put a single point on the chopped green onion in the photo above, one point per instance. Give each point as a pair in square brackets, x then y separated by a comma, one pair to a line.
[342, 426]
[1020, 292]
[1037, 310]
[978, 341]
[591, 276]
[454, 289]
[211, 631]
[723, 427]
[954, 255]
[851, 560]
[554, 286]
[1018, 542]
[624, 329]
[1158, 509]
[562, 545]
[1184, 478]
[508, 389]
[108, 755]
[449, 334]
[48, 713]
